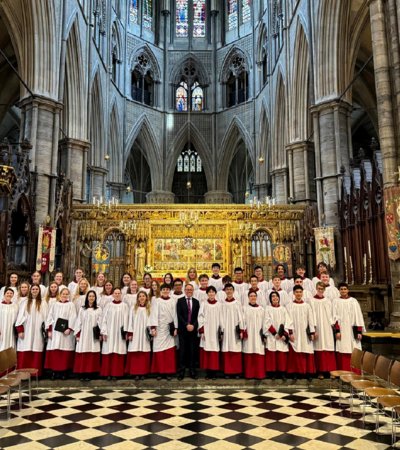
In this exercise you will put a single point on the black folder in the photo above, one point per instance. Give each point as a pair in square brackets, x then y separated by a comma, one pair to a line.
[61, 325]
[171, 327]
[96, 332]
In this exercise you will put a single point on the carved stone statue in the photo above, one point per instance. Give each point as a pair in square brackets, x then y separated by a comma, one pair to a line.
[140, 259]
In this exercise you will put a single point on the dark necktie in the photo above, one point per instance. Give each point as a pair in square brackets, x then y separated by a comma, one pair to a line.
[189, 310]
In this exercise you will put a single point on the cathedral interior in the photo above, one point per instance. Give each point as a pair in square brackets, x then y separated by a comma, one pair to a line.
[241, 131]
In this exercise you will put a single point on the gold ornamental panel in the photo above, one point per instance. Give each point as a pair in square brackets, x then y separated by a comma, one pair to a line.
[172, 238]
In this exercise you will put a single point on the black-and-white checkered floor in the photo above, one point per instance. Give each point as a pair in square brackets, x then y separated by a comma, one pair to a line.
[210, 419]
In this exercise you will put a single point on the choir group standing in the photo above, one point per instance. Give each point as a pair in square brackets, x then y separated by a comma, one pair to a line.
[298, 326]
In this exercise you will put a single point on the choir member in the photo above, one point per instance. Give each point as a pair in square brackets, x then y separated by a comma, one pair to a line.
[124, 283]
[155, 290]
[169, 279]
[106, 296]
[23, 291]
[201, 293]
[307, 283]
[131, 294]
[30, 326]
[114, 325]
[36, 278]
[87, 335]
[215, 279]
[254, 287]
[276, 287]
[79, 297]
[349, 326]
[301, 351]
[147, 279]
[307, 295]
[59, 279]
[139, 336]
[164, 319]
[221, 295]
[99, 285]
[209, 326]
[322, 268]
[178, 289]
[52, 294]
[239, 284]
[324, 342]
[331, 291]
[191, 278]
[253, 339]
[8, 316]
[73, 285]
[60, 329]
[232, 328]
[12, 283]
[187, 311]
[262, 284]
[276, 329]
[286, 284]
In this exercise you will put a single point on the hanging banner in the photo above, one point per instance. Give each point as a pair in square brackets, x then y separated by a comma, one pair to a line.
[325, 246]
[392, 219]
[100, 257]
[46, 249]
[282, 254]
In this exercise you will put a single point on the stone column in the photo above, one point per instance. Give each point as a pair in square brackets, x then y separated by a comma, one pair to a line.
[40, 126]
[160, 197]
[117, 190]
[73, 164]
[279, 179]
[97, 181]
[384, 66]
[332, 150]
[218, 197]
[301, 171]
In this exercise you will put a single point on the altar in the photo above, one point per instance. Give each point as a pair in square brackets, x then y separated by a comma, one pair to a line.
[139, 238]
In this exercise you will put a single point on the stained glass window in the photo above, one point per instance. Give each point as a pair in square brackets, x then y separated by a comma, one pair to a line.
[197, 97]
[182, 97]
[232, 14]
[199, 18]
[189, 161]
[179, 164]
[133, 11]
[246, 10]
[181, 18]
[147, 14]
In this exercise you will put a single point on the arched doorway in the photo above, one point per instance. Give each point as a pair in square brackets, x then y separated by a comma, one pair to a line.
[241, 175]
[138, 173]
[190, 184]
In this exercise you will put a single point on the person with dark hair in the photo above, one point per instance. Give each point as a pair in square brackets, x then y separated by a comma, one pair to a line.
[301, 350]
[73, 285]
[209, 326]
[322, 268]
[178, 289]
[232, 328]
[187, 309]
[226, 281]
[168, 279]
[87, 335]
[216, 279]
[201, 292]
[286, 283]
[147, 279]
[164, 321]
[263, 284]
[253, 339]
[106, 295]
[349, 326]
[36, 278]
[277, 287]
[114, 325]
[307, 295]
[307, 283]
[31, 319]
[12, 283]
[253, 287]
[276, 329]
[125, 282]
[8, 316]
[241, 287]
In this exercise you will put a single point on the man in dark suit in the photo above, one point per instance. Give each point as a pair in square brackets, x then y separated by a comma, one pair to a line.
[187, 311]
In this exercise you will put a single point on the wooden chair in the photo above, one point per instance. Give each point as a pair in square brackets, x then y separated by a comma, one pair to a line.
[355, 364]
[8, 380]
[382, 380]
[25, 374]
[5, 390]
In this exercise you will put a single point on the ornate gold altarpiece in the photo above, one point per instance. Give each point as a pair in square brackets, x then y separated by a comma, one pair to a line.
[172, 238]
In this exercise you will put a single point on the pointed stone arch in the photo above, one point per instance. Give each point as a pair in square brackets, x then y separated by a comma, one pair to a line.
[193, 61]
[235, 133]
[116, 148]
[176, 147]
[264, 145]
[152, 65]
[97, 127]
[300, 96]
[74, 111]
[143, 132]
[227, 67]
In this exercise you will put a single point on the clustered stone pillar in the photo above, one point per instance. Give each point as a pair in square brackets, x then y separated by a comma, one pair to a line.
[301, 171]
[384, 57]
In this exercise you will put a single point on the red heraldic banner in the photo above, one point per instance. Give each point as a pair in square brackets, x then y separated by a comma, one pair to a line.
[46, 249]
